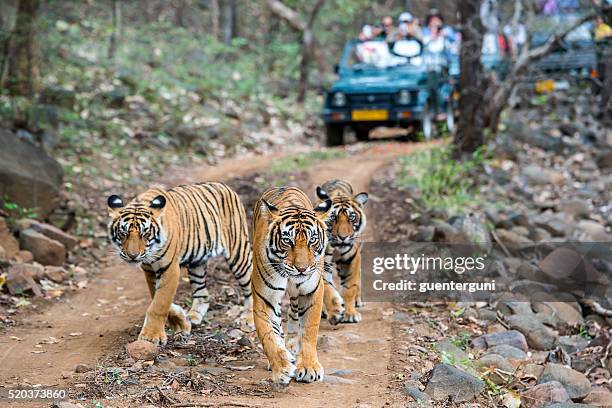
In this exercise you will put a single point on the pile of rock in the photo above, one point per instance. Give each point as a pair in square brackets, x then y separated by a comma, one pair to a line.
[33, 258]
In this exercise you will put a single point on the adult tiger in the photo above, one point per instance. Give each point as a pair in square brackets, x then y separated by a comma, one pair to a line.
[182, 227]
[345, 224]
[289, 243]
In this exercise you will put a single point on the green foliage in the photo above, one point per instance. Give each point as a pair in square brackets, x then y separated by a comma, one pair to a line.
[303, 161]
[462, 341]
[440, 181]
[15, 211]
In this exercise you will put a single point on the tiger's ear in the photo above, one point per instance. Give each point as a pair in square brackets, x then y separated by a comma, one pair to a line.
[157, 205]
[322, 194]
[322, 209]
[269, 210]
[114, 203]
[361, 198]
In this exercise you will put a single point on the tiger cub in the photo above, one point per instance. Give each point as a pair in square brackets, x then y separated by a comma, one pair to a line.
[345, 224]
[182, 227]
[289, 243]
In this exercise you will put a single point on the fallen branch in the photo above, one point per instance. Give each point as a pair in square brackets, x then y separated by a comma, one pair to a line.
[596, 307]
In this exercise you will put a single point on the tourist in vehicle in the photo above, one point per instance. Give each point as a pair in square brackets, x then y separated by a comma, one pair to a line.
[409, 27]
[388, 30]
[602, 30]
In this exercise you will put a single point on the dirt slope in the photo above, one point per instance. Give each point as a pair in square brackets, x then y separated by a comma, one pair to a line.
[103, 317]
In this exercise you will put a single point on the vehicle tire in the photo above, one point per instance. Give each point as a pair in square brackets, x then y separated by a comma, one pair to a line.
[334, 134]
[427, 123]
[450, 118]
[362, 134]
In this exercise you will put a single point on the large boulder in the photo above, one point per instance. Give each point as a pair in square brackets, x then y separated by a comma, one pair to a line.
[50, 231]
[47, 251]
[8, 242]
[28, 177]
[451, 382]
[576, 384]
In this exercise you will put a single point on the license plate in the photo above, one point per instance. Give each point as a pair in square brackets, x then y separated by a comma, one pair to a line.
[363, 115]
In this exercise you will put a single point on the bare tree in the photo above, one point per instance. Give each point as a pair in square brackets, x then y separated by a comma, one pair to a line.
[309, 41]
[214, 17]
[23, 57]
[229, 20]
[116, 33]
[483, 97]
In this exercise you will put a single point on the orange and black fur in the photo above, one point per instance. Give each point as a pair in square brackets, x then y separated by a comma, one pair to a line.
[182, 227]
[289, 244]
[345, 223]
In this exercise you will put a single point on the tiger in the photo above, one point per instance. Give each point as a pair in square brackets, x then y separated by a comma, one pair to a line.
[181, 227]
[289, 244]
[345, 224]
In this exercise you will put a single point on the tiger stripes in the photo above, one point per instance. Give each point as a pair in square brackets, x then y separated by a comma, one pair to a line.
[289, 242]
[182, 227]
[345, 224]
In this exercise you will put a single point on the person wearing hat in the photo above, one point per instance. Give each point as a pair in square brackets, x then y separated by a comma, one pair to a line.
[409, 27]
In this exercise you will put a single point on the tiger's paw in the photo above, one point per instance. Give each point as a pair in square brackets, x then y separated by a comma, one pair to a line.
[153, 335]
[178, 321]
[309, 372]
[247, 323]
[351, 317]
[336, 318]
[293, 346]
[359, 303]
[284, 373]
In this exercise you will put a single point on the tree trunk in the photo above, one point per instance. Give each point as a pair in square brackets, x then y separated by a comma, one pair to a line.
[229, 20]
[23, 70]
[606, 92]
[472, 123]
[114, 39]
[214, 17]
[8, 13]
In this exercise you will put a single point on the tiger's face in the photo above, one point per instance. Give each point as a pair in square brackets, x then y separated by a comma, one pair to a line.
[296, 238]
[346, 219]
[135, 229]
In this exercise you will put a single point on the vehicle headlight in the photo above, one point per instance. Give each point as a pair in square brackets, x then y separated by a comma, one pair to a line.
[338, 99]
[403, 97]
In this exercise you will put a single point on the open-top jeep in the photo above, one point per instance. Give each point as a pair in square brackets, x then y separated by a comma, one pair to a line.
[381, 85]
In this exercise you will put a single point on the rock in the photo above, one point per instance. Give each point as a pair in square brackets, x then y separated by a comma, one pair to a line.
[531, 370]
[538, 336]
[20, 279]
[542, 394]
[142, 350]
[535, 175]
[604, 159]
[81, 368]
[3, 257]
[561, 264]
[473, 227]
[24, 256]
[413, 391]
[599, 397]
[554, 224]
[444, 232]
[452, 352]
[560, 312]
[47, 251]
[34, 270]
[9, 243]
[595, 230]
[572, 344]
[448, 381]
[56, 273]
[575, 207]
[489, 364]
[508, 352]
[332, 379]
[576, 384]
[568, 405]
[28, 176]
[511, 338]
[327, 343]
[65, 404]
[50, 231]
[511, 237]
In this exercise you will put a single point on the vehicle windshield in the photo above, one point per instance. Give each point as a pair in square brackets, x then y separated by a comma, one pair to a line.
[547, 26]
[380, 55]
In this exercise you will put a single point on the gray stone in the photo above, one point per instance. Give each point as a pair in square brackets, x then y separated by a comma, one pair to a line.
[543, 394]
[448, 381]
[512, 338]
[535, 175]
[576, 384]
[508, 351]
[45, 250]
[491, 363]
[572, 344]
[50, 231]
[28, 176]
[538, 336]
[575, 207]
[414, 392]
[562, 263]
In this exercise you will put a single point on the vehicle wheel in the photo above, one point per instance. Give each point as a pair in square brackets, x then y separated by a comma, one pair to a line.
[427, 125]
[450, 118]
[362, 134]
[334, 134]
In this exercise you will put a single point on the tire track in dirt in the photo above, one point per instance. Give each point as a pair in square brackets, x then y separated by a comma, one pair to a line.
[104, 316]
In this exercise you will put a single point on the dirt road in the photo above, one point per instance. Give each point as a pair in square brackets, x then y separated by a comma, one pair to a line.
[103, 317]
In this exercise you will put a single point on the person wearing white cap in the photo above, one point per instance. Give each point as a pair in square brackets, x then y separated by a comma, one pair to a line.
[409, 26]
